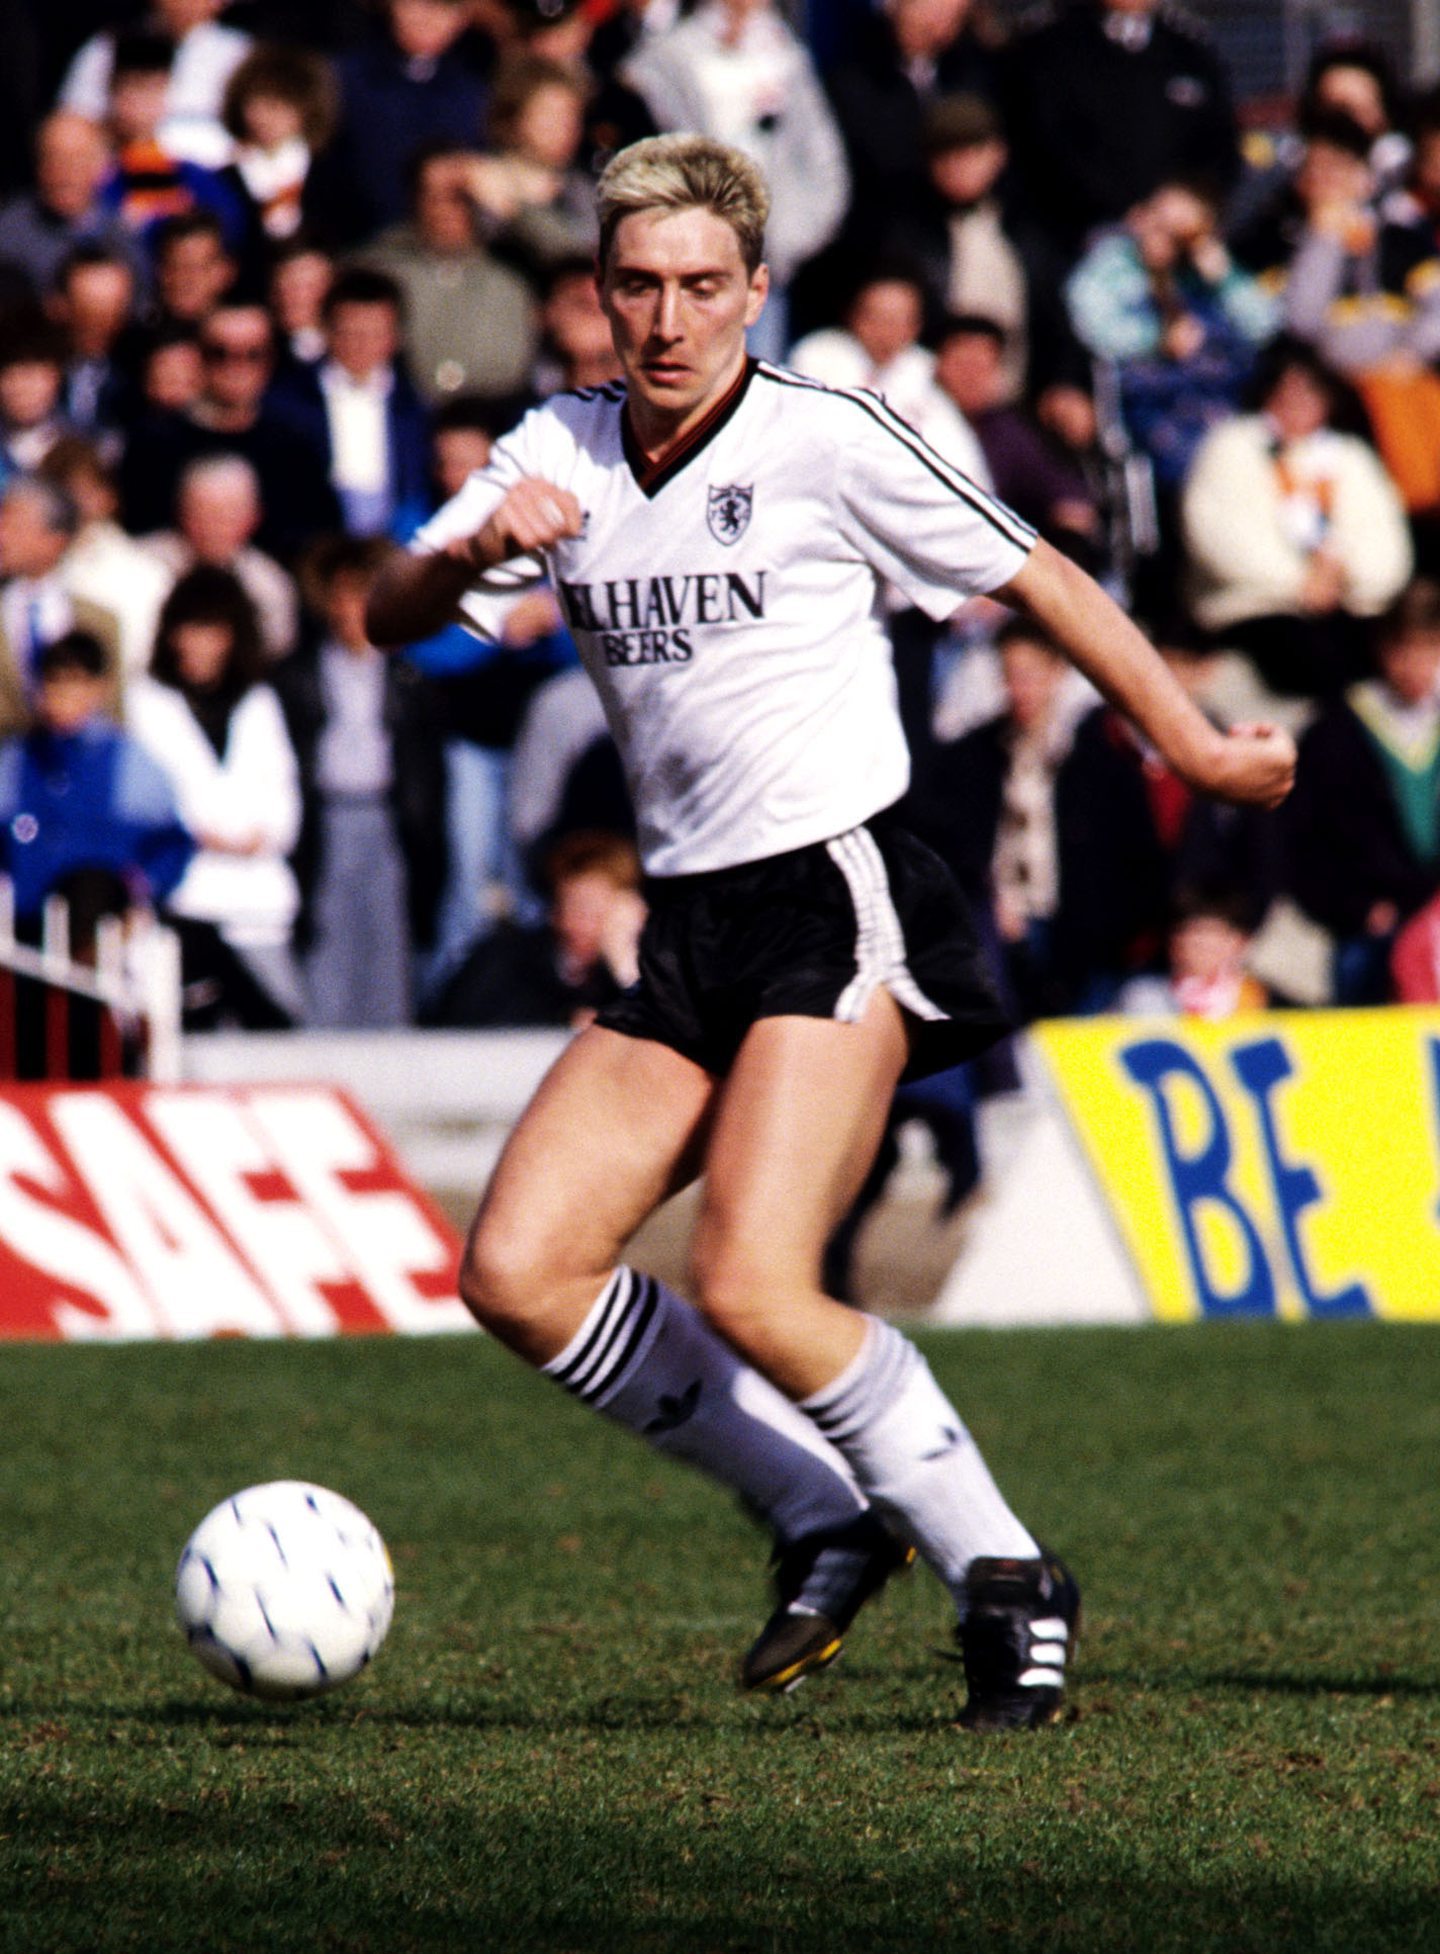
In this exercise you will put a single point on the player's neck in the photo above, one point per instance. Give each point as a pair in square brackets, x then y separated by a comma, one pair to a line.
[659, 434]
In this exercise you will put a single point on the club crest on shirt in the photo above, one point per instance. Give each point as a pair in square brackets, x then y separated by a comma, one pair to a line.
[728, 512]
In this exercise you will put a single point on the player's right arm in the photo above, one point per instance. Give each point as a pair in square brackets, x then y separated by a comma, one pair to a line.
[419, 593]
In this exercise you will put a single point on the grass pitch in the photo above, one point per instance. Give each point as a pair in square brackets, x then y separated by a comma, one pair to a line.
[550, 1752]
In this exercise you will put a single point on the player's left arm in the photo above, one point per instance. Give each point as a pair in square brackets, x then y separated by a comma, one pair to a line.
[1252, 763]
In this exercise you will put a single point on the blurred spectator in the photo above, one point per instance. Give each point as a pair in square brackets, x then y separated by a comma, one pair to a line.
[1293, 531]
[878, 345]
[1363, 288]
[734, 70]
[148, 182]
[1164, 301]
[301, 274]
[216, 729]
[1120, 484]
[1026, 469]
[371, 858]
[1364, 820]
[577, 349]
[172, 371]
[1107, 101]
[470, 322]
[1206, 976]
[1356, 78]
[217, 512]
[77, 793]
[566, 31]
[908, 54]
[955, 230]
[535, 204]
[194, 267]
[1421, 201]
[358, 410]
[38, 525]
[1049, 833]
[464, 432]
[280, 109]
[563, 751]
[403, 89]
[564, 970]
[104, 566]
[1151, 836]
[238, 350]
[206, 54]
[93, 301]
[41, 226]
[1360, 286]
[32, 376]
[484, 685]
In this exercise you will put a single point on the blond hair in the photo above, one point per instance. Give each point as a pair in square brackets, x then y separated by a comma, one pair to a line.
[682, 172]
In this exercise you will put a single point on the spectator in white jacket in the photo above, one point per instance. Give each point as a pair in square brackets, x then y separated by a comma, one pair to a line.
[878, 347]
[1294, 534]
[734, 70]
[207, 53]
[218, 731]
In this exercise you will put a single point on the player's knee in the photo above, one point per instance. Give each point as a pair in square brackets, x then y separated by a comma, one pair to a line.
[503, 1280]
[731, 1283]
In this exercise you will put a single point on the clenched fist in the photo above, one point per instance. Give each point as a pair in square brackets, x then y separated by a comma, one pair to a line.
[532, 518]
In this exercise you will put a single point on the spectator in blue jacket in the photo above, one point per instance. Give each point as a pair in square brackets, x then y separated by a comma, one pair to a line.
[407, 87]
[78, 794]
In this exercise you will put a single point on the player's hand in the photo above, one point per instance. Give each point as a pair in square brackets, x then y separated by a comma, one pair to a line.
[533, 517]
[1252, 764]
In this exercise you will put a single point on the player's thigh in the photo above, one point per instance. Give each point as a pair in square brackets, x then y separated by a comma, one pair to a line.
[796, 1127]
[616, 1126]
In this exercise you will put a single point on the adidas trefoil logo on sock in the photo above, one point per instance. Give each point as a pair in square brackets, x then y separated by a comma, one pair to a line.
[675, 1412]
[951, 1438]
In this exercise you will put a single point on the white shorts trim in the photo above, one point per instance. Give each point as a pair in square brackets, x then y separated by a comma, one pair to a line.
[879, 937]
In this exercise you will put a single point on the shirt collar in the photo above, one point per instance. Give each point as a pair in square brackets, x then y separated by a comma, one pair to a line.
[334, 379]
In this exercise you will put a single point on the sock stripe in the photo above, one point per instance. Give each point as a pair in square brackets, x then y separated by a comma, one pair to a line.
[609, 1318]
[880, 1380]
[613, 1371]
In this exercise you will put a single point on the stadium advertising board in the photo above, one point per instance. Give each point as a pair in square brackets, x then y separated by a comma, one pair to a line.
[1278, 1165]
[133, 1212]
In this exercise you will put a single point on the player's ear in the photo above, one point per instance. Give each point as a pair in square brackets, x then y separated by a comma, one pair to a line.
[759, 292]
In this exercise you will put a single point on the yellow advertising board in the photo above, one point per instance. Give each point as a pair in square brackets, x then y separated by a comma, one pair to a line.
[1284, 1164]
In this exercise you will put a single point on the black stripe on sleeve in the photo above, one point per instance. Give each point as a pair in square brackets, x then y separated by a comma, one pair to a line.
[1000, 518]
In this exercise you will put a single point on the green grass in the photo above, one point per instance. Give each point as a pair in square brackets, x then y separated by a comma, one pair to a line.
[550, 1752]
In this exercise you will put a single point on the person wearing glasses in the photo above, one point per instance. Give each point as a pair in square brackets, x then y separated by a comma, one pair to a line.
[233, 416]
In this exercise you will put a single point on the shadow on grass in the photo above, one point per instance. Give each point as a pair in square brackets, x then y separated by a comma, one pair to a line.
[1279, 1682]
[1292, 1683]
[342, 1874]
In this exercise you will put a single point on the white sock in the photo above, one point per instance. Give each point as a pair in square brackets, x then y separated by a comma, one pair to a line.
[645, 1358]
[911, 1453]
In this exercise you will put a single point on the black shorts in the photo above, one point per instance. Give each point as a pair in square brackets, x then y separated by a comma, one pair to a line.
[813, 933]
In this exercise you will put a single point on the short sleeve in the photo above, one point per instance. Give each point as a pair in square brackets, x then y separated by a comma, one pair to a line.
[918, 520]
[488, 600]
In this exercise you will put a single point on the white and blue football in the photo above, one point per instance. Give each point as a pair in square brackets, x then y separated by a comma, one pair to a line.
[284, 1590]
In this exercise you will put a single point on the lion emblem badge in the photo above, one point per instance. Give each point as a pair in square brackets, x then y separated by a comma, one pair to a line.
[728, 512]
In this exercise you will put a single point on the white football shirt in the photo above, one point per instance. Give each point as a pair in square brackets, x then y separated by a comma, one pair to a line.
[727, 604]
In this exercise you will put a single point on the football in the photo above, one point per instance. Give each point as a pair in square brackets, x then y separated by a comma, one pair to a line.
[284, 1590]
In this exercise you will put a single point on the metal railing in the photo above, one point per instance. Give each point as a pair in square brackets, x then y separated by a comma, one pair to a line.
[134, 983]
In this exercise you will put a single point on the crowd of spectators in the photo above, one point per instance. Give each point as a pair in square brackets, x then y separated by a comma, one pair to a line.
[274, 278]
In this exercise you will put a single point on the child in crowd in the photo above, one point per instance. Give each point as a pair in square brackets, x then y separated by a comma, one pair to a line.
[1207, 976]
[78, 793]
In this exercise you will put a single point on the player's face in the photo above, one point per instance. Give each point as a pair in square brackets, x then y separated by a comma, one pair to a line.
[679, 299]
